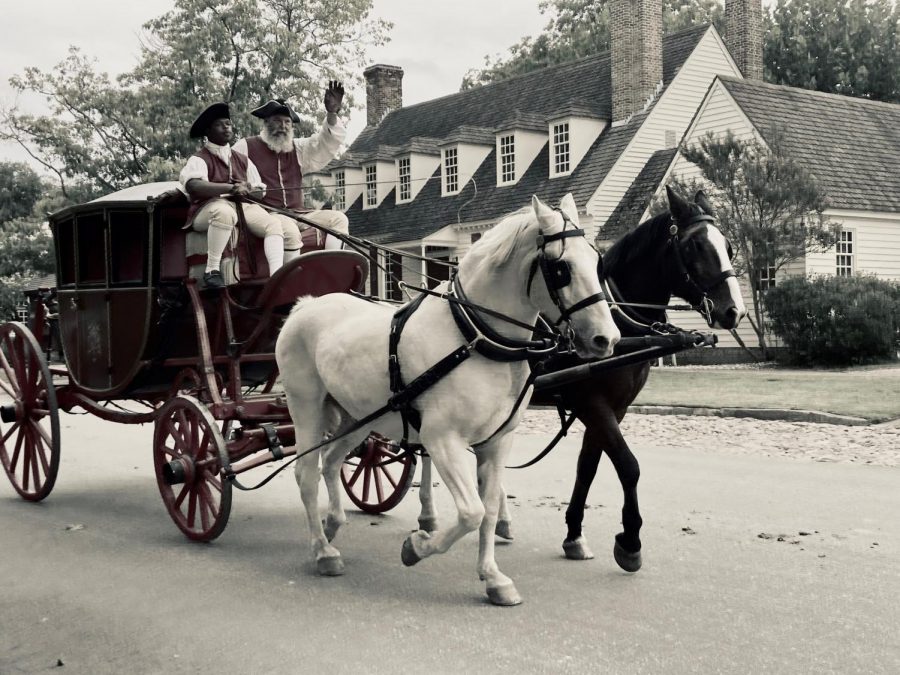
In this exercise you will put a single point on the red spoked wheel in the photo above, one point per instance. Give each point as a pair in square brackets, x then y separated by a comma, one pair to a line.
[379, 475]
[29, 435]
[188, 454]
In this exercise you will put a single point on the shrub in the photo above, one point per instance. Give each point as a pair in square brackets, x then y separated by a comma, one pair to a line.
[836, 321]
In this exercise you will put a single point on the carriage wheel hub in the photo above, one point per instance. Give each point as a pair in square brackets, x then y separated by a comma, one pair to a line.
[178, 471]
[9, 413]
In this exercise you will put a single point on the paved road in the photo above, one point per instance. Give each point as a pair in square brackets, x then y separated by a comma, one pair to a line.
[127, 594]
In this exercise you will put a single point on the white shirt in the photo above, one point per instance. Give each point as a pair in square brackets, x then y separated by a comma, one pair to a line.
[314, 152]
[196, 167]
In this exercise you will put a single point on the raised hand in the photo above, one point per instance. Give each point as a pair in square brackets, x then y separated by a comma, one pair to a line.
[334, 96]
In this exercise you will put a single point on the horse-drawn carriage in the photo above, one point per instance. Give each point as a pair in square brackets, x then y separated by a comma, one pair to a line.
[135, 326]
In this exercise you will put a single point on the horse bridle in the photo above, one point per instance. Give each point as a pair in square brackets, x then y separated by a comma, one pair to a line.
[557, 273]
[706, 305]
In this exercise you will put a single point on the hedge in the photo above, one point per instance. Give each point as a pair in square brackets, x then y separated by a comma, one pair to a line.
[836, 321]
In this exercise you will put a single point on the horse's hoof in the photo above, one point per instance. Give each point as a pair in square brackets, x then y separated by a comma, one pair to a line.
[504, 596]
[331, 525]
[504, 530]
[630, 562]
[428, 524]
[408, 554]
[330, 567]
[577, 549]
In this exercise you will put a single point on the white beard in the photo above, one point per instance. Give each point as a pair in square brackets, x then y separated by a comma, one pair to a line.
[285, 144]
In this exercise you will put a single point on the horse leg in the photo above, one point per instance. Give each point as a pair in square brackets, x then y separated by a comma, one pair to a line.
[450, 458]
[627, 550]
[427, 516]
[504, 519]
[491, 461]
[575, 545]
[328, 558]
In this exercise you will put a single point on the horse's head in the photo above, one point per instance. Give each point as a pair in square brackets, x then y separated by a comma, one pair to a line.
[562, 279]
[702, 255]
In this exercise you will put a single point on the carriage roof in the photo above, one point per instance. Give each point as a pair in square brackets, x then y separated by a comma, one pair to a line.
[146, 194]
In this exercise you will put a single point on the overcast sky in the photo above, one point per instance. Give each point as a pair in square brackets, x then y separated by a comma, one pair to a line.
[434, 41]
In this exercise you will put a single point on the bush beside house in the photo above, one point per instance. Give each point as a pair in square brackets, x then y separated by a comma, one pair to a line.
[836, 321]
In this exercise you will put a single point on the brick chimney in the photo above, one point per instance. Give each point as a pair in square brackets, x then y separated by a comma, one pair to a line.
[744, 36]
[384, 92]
[636, 54]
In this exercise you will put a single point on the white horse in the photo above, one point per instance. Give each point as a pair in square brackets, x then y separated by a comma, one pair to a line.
[333, 357]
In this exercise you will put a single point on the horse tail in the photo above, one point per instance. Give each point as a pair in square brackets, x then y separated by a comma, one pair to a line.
[301, 301]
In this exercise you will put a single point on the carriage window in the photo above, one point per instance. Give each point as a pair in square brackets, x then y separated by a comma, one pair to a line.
[371, 186]
[128, 233]
[65, 251]
[340, 191]
[403, 172]
[844, 262]
[451, 171]
[393, 275]
[91, 249]
[507, 159]
[561, 148]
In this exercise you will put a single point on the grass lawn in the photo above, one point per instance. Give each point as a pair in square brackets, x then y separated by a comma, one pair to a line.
[870, 393]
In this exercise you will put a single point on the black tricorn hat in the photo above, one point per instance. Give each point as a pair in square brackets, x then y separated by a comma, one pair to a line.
[277, 106]
[216, 111]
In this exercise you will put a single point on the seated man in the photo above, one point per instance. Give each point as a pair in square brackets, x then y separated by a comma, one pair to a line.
[282, 159]
[213, 174]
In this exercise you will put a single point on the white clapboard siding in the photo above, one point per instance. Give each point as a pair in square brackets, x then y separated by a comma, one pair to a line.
[672, 112]
[876, 245]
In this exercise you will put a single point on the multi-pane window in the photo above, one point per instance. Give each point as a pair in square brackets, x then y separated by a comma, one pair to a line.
[561, 148]
[507, 158]
[371, 186]
[844, 262]
[451, 170]
[393, 275]
[403, 173]
[340, 191]
[766, 278]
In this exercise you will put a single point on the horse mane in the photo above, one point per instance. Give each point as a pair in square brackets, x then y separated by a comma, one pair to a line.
[630, 246]
[498, 243]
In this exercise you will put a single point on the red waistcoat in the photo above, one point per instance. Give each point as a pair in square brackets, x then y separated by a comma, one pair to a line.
[281, 173]
[217, 171]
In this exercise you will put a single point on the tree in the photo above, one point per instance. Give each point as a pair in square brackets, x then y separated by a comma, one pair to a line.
[840, 46]
[769, 206]
[580, 28]
[111, 133]
[20, 189]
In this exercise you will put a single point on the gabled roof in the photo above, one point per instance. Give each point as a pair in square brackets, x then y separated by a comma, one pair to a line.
[540, 93]
[628, 212]
[851, 145]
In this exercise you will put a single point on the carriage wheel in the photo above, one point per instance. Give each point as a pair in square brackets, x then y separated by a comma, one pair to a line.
[188, 453]
[29, 444]
[379, 476]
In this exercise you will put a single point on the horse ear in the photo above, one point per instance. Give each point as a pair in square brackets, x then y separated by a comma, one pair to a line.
[679, 208]
[703, 202]
[541, 210]
[567, 205]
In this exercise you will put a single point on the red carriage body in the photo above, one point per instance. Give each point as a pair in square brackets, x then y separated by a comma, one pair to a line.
[134, 325]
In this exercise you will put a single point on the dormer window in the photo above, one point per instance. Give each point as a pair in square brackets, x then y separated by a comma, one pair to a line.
[560, 148]
[340, 191]
[451, 170]
[371, 185]
[405, 192]
[507, 158]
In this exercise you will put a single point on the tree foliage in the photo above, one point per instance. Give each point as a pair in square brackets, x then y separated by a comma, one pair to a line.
[109, 133]
[20, 190]
[841, 46]
[580, 28]
[769, 206]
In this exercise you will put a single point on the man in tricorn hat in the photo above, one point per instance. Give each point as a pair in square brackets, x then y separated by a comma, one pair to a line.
[214, 178]
[282, 159]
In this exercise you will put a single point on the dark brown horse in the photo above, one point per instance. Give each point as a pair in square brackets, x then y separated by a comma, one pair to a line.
[680, 253]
